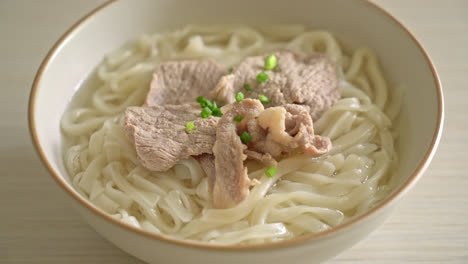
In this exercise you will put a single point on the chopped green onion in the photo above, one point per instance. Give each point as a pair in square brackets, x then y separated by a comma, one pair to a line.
[247, 87]
[270, 62]
[204, 102]
[208, 107]
[190, 126]
[217, 112]
[238, 118]
[264, 99]
[206, 112]
[245, 137]
[262, 77]
[239, 96]
[200, 99]
[270, 172]
[230, 69]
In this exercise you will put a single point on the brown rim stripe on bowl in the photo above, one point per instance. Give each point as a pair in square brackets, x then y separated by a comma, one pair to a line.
[396, 194]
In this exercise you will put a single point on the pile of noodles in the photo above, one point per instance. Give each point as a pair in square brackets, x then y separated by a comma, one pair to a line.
[307, 195]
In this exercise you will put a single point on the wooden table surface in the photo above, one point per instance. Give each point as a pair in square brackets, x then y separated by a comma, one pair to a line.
[38, 226]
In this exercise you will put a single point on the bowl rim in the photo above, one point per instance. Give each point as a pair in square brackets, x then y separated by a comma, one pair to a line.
[396, 195]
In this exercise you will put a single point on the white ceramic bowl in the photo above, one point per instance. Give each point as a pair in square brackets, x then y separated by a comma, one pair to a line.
[358, 23]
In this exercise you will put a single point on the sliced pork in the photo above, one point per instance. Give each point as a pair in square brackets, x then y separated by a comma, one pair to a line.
[311, 81]
[300, 88]
[160, 136]
[274, 131]
[178, 82]
[266, 159]
[288, 128]
[161, 140]
[207, 163]
[232, 183]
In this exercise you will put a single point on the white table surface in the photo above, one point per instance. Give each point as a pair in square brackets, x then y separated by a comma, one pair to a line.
[38, 226]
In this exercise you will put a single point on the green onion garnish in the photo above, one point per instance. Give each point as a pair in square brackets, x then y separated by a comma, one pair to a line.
[264, 99]
[238, 118]
[200, 99]
[206, 112]
[190, 126]
[247, 87]
[245, 137]
[204, 102]
[270, 62]
[208, 107]
[230, 69]
[239, 96]
[262, 77]
[270, 172]
[217, 112]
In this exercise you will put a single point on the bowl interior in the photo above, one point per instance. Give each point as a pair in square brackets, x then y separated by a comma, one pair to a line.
[356, 23]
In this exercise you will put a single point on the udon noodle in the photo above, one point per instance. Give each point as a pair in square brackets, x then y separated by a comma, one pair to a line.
[307, 195]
